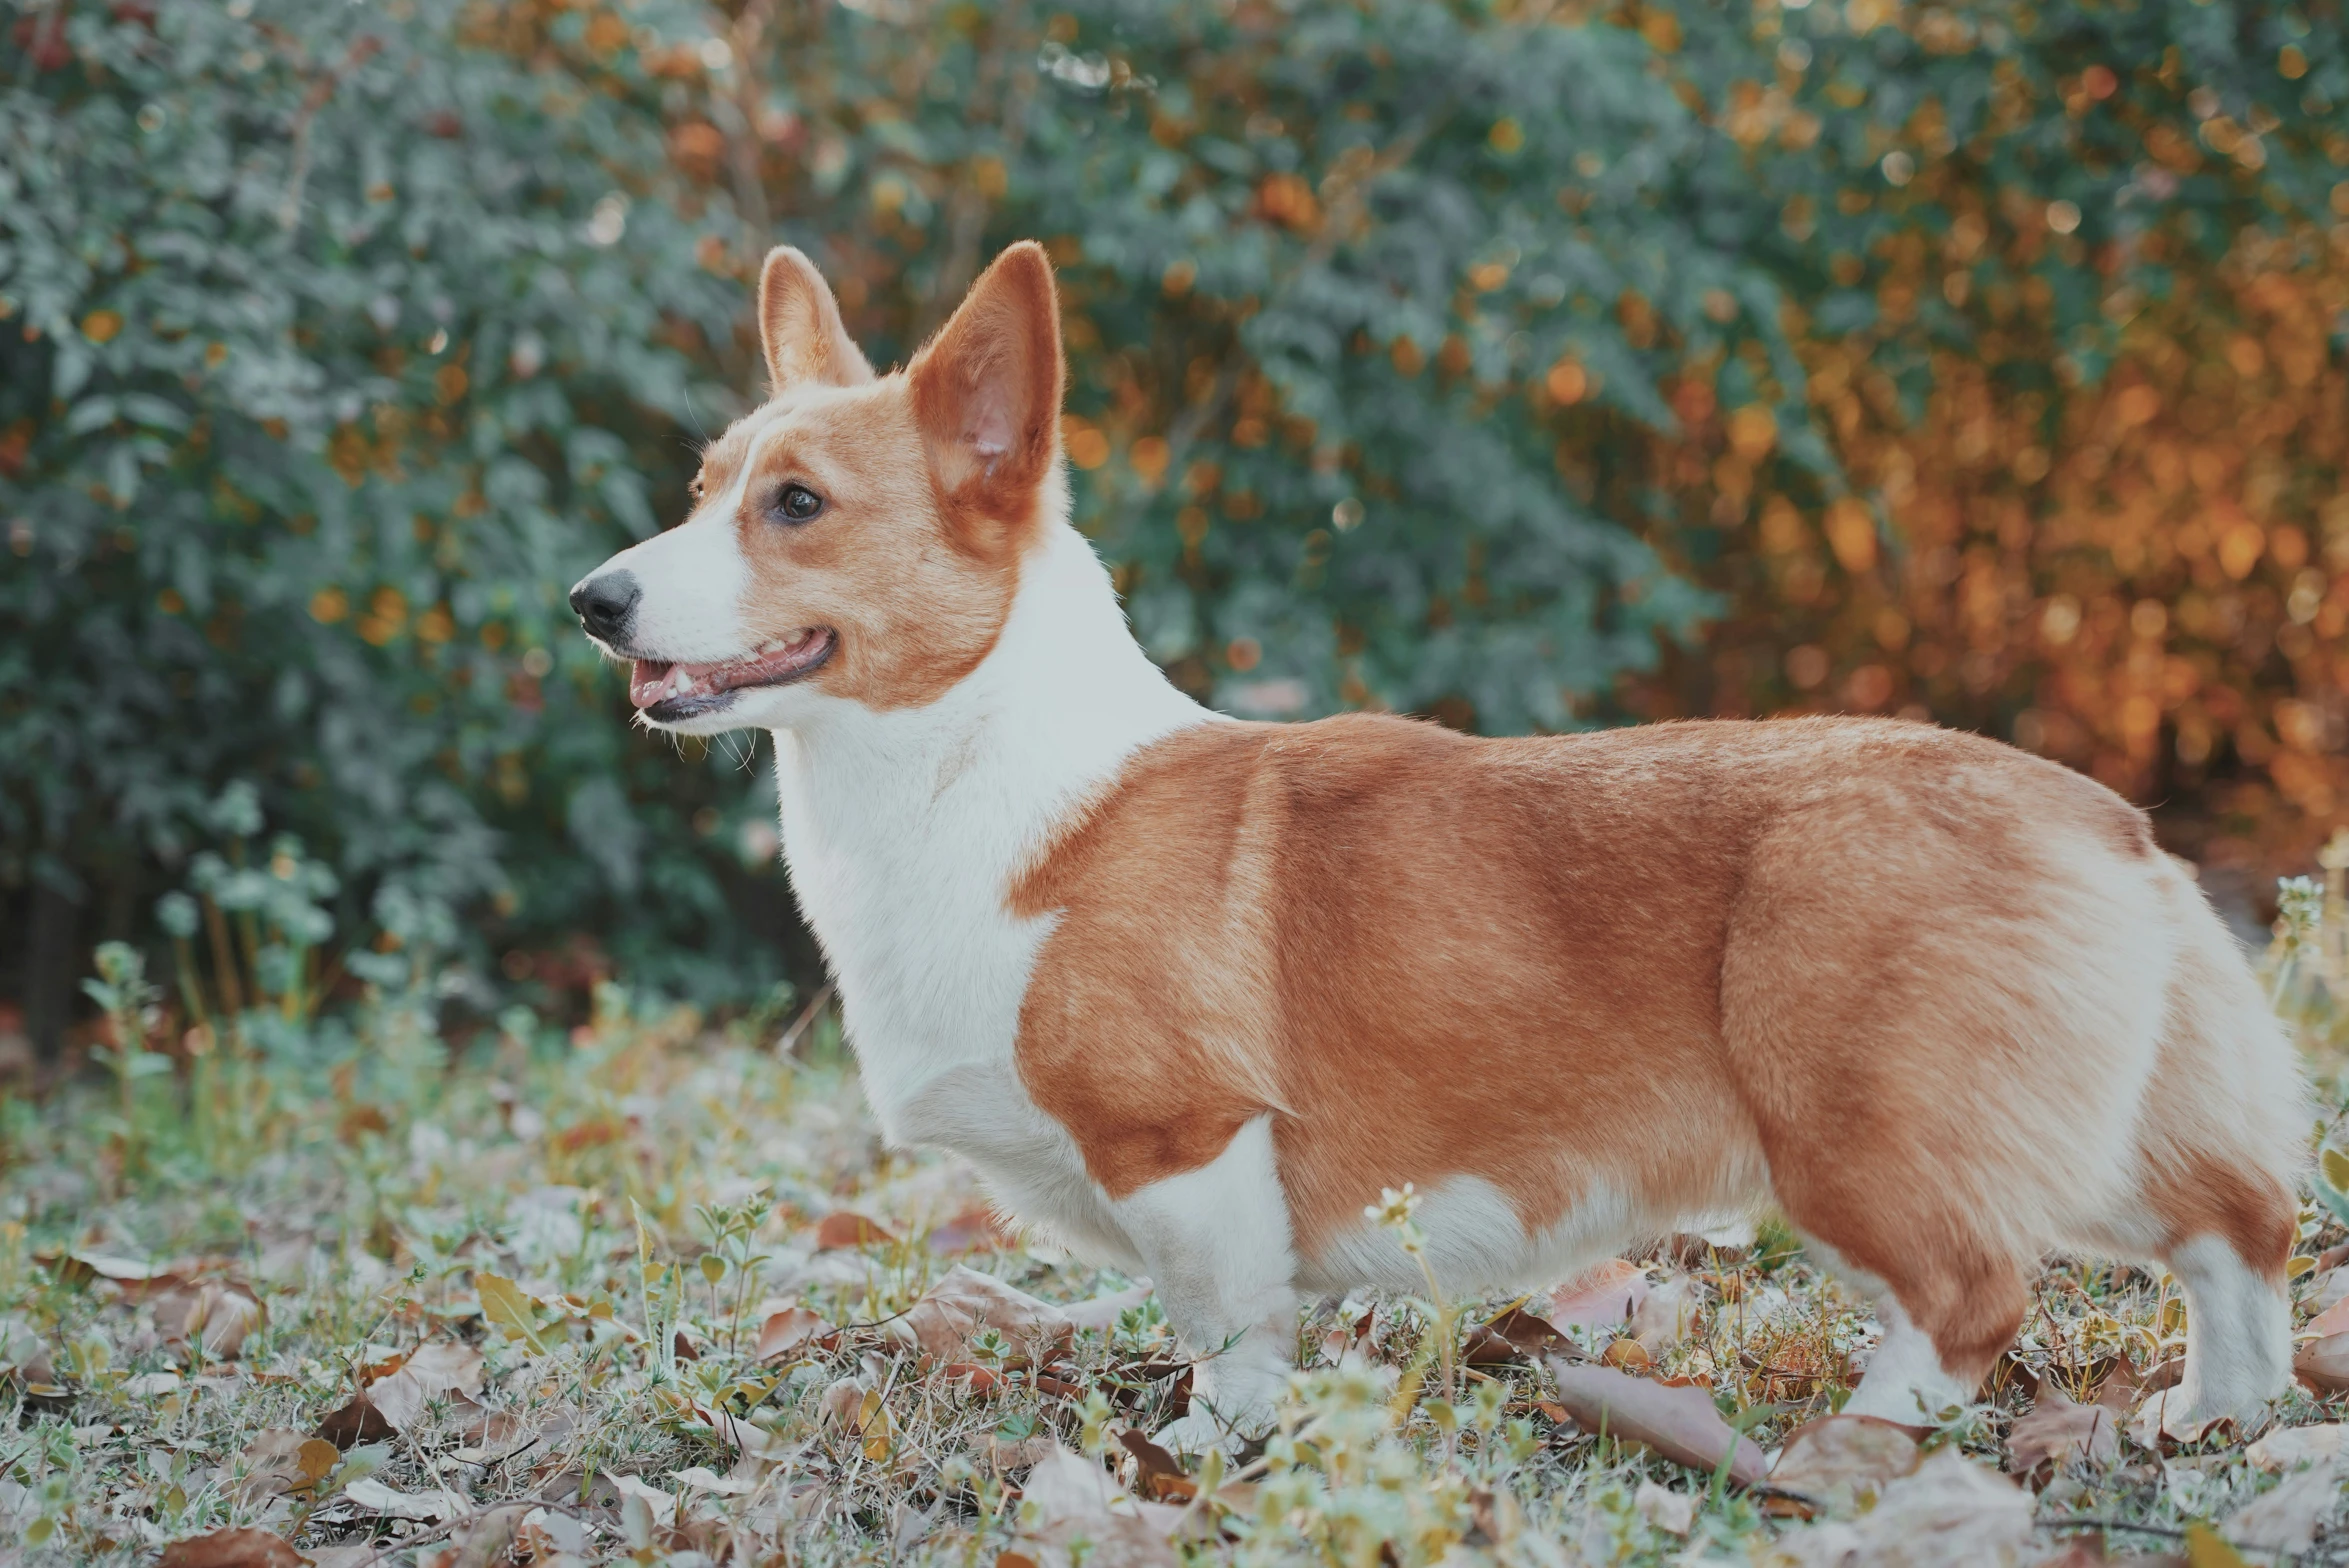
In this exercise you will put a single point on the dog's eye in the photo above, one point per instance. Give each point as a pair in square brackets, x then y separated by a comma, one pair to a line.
[798, 504]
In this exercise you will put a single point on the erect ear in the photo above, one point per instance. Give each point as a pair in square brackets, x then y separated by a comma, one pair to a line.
[799, 326]
[987, 387]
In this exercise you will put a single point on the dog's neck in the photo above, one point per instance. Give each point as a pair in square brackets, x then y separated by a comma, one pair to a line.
[904, 830]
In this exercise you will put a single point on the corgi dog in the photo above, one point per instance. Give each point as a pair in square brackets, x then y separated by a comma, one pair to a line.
[1193, 993]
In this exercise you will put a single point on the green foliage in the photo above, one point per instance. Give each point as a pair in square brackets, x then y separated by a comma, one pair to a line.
[340, 340]
[325, 373]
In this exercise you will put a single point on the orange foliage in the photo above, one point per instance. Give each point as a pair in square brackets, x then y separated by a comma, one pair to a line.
[2144, 574]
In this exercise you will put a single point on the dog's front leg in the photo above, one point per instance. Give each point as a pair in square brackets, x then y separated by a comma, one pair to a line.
[1216, 1242]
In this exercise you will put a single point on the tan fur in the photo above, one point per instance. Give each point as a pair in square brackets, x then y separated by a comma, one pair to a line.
[1646, 960]
[915, 559]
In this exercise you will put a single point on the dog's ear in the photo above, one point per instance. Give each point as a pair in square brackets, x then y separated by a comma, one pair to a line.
[987, 389]
[799, 326]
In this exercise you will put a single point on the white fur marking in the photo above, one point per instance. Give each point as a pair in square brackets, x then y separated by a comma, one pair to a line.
[1216, 1244]
[1905, 1381]
[2238, 1334]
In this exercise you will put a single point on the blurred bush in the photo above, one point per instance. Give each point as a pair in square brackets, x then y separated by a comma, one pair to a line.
[1526, 365]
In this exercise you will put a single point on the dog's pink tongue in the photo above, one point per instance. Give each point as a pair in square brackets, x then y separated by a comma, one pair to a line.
[648, 682]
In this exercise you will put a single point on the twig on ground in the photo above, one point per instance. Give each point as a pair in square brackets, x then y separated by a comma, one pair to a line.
[789, 1044]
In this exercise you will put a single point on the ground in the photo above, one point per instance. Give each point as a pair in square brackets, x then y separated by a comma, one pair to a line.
[354, 1287]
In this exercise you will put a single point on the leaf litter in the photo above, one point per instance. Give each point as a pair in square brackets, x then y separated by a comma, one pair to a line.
[652, 1293]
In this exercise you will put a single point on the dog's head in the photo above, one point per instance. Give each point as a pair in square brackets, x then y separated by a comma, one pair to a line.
[856, 536]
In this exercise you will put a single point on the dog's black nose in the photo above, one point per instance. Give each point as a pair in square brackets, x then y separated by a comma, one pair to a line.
[604, 604]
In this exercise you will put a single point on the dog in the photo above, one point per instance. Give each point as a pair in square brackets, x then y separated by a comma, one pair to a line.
[1193, 993]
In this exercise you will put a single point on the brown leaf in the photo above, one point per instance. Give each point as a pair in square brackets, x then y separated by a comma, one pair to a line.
[975, 1229]
[2289, 1446]
[785, 1332]
[844, 1228]
[432, 1371]
[2324, 1365]
[282, 1460]
[1948, 1513]
[357, 1422]
[2057, 1431]
[1162, 1476]
[1003, 1456]
[232, 1549]
[1515, 1335]
[1679, 1423]
[23, 1354]
[2286, 1519]
[2332, 1320]
[1605, 1297]
[215, 1312]
[964, 1301]
[1667, 1316]
[1080, 1509]
[975, 1378]
[1840, 1458]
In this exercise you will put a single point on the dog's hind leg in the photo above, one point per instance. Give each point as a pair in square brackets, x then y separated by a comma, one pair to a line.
[1216, 1242]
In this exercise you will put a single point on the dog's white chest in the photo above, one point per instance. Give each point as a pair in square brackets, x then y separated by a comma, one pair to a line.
[905, 832]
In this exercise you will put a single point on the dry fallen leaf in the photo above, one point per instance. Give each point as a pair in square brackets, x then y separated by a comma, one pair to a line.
[2057, 1432]
[703, 1479]
[786, 1331]
[1667, 1315]
[282, 1460]
[1679, 1423]
[1628, 1354]
[215, 1313]
[975, 1229]
[2289, 1447]
[1669, 1511]
[504, 1306]
[2286, 1519]
[662, 1504]
[2123, 1385]
[1068, 1499]
[232, 1549]
[1003, 1455]
[357, 1422]
[23, 1354]
[1604, 1298]
[2163, 1415]
[425, 1507]
[2334, 1319]
[965, 1301]
[431, 1372]
[2324, 1365]
[842, 1402]
[1516, 1335]
[1839, 1459]
[843, 1228]
[102, 1265]
[1948, 1513]
[1161, 1474]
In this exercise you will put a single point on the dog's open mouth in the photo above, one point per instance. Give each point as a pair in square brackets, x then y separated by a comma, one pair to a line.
[668, 692]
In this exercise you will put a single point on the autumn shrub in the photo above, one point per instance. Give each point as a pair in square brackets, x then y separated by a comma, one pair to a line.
[1524, 366]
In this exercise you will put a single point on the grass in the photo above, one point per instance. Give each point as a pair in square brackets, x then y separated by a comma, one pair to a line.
[611, 1215]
